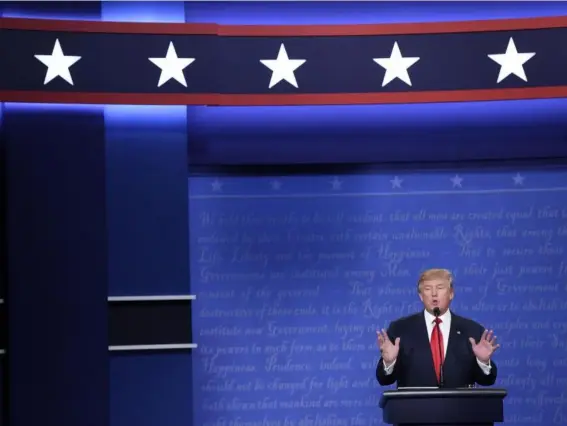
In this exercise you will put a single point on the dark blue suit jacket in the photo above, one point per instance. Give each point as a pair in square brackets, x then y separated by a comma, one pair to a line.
[414, 365]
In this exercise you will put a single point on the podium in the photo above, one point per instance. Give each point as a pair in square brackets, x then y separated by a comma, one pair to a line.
[443, 407]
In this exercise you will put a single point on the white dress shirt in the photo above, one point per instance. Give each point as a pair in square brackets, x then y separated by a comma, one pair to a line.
[445, 327]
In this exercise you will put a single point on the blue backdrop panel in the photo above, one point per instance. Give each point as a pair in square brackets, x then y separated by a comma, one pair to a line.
[293, 275]
[150, 389]
[363, 12]
[57, 265]
[148, 251]
[146, 156]
[377, 133]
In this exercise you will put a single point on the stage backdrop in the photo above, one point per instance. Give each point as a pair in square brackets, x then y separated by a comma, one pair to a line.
[293, 275]
[141, 152]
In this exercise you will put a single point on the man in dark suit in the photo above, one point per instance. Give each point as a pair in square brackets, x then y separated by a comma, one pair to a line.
[436, 347]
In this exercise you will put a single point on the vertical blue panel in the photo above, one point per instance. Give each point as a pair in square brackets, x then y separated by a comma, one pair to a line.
[148, 236]
[146, 180]
[151, 389]
[148, 252]
[57, 265]
[147, 199]
[59, 361]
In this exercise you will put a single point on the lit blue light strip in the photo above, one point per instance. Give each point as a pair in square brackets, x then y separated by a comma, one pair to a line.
[33, 107]
[144, 11]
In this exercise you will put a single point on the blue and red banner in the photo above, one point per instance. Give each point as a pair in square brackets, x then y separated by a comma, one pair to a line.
[210, 64]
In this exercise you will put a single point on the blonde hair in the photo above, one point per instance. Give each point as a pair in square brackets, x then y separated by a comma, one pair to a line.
[435, 274]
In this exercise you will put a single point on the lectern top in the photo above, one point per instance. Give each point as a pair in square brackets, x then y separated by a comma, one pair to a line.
[412, 393]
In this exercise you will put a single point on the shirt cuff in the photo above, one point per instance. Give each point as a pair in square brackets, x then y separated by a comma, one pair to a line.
[390, 368]
[484, 367]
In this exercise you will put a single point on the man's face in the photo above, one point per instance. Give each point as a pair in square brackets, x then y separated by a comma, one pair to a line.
[436, 293]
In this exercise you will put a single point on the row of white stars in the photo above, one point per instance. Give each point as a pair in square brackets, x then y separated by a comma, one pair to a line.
[283, 68]
[511, 63]
[58, 65]
[336, 183]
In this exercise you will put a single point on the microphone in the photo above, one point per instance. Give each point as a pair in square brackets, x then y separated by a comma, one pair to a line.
[437, 313]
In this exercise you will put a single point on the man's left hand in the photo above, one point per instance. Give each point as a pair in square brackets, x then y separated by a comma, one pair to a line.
[485, 347]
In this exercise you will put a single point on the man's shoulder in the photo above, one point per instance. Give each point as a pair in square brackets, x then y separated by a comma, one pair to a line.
[467, 323]
[406, 321]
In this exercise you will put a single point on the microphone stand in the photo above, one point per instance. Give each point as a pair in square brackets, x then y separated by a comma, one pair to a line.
[441, 375]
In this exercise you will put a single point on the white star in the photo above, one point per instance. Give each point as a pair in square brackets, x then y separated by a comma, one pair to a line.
[457, 181]
[396, 182]
[217, 185]
[57, 64]
[282, 68]
[336, 184]
[518, 179]
[511, 62]
[172, 66]
[276, 185]
[396, 66]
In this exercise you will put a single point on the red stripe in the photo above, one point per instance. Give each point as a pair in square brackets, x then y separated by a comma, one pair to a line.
[282, 30]
[106, 27]
[284, 99]
[390, 29]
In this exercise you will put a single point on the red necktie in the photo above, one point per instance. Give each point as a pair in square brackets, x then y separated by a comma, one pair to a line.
[437, 349]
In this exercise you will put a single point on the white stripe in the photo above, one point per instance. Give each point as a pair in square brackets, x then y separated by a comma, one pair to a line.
[382, 194]
[2, 351]
[150, 298]
[152, 347]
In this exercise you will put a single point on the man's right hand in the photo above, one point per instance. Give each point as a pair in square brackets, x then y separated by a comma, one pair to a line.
[389, 351]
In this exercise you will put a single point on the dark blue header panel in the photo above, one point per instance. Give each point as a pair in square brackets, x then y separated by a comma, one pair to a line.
[210, 64]
[239, 65]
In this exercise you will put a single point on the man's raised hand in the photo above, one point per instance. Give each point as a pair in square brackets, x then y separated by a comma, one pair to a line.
[388, 349]
[485, 347]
